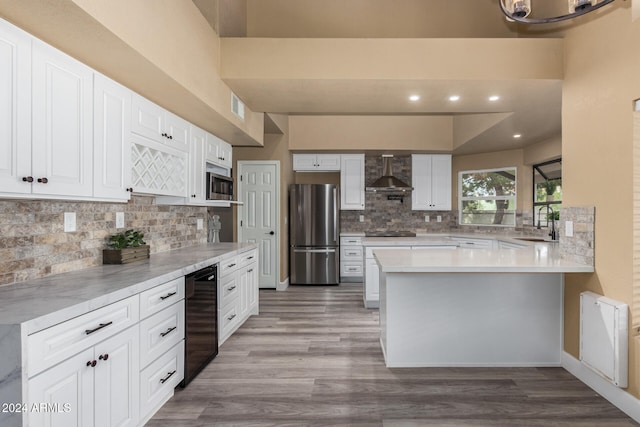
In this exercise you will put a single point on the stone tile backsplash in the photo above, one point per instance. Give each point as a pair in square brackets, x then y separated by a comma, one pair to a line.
[33, 243]
[581, 246]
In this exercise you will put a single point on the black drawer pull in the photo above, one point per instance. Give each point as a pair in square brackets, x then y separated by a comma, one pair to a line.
[250, 270]
[251, 257]
[170, 294]
[169, 375]
[231, 288]
[231, 265]
[231, 317]
[100, 326]
[163, 334]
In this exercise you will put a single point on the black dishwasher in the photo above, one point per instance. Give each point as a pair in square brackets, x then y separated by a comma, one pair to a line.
[201, 321]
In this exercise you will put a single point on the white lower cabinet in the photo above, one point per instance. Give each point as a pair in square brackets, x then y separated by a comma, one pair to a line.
[158, 380]
[351, 259]
[372, 275]
[96, 387]
[237, 292]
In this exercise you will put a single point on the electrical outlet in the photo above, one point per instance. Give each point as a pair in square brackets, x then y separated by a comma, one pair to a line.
[568, 228]
[439, 218]
[69, 222]
[119, 219]
[200, 223]
[426, 218]
[361, 218]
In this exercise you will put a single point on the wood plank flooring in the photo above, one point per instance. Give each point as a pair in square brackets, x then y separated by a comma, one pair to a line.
[312, 358]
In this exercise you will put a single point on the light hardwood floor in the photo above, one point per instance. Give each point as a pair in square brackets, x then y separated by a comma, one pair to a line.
[312, 358]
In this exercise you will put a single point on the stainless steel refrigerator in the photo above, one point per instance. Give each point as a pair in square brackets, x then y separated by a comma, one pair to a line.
[314, 211]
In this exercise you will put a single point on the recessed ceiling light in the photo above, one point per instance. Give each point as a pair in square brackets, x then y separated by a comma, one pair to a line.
[454, 98]
[494, 98]
[414, 98]
[517, 135]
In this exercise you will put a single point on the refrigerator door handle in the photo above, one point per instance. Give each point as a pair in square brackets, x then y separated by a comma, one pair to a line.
[335, 214]
[315, 251]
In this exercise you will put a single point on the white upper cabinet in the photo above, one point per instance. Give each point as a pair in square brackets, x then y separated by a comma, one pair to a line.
[197, 172]
[316, 162]
[62, 124]
[431, 179]
[352, 194]
[218, 151]
[154, 122]
[111, 140]
[15, 109]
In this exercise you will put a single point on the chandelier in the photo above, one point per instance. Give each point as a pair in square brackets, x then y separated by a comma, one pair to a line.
[519, 10]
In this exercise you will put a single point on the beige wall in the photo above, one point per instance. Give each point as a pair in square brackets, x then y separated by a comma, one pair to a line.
[376, 18]
[276, 147]
[386, 133]
[601, 81]
[543, 151]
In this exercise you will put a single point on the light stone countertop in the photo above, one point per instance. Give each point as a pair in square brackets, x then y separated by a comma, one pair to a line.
[533, 258]
[41, 303]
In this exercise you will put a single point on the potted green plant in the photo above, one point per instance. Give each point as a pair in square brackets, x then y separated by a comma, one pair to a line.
[550, 187]
[125, 247]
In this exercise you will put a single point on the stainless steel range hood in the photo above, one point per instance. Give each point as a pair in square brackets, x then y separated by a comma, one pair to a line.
[388, 182]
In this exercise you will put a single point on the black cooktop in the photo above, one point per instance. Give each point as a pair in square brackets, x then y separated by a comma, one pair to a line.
[389, 234]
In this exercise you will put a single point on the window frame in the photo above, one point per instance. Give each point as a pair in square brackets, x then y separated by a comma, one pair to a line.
[549, 204]
[462, 199]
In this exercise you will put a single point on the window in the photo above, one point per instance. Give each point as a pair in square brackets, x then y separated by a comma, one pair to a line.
[487, 197]
[547, 192]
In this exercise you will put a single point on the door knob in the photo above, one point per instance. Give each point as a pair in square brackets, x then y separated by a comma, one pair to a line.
[271, 233]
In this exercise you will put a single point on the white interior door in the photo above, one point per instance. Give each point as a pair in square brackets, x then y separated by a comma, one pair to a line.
[258, 217]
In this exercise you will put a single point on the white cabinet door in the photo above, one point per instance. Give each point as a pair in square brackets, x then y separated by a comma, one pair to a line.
[242, 280]
[225, 154]
[15, 109]
[328, 162]
[441, 182]
[68, 383]
[304, 162]
[111, 139]
[176, 130]
[117, 374]
[148, 119]
[252, 283]
[372, 283]
[352, 196]
[62, 155]
[197, 173]
[218, 152]
[431, 179]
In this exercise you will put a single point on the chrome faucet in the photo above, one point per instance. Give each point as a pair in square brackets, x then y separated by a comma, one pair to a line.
[553, 233]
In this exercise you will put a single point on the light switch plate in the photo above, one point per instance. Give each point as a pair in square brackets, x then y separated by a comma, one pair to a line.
[119, 219]
[69, 222]
[200, 223]
[439, 218]
[568, 228]
[361, 218]
[426, 218]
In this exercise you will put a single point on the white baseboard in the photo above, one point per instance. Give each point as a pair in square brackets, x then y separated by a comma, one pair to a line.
[282, 286]
[624, 401]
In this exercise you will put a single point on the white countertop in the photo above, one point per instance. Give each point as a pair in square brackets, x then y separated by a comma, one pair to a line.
[40, 303]
[432, 240]
[534, 258]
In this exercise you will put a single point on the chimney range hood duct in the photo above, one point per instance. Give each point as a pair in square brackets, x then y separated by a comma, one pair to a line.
[388, 182]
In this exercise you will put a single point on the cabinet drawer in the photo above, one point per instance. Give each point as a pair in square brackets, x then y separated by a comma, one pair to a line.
[351, 241]
[158, 380]
[351, 253]
[247, 258]
[228, 290]
[155, 299]
[351, 269]
[228, 320]
[53, 345]
[228, 266]
[160, 332]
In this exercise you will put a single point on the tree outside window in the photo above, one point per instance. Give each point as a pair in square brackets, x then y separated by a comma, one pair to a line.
[487, 197]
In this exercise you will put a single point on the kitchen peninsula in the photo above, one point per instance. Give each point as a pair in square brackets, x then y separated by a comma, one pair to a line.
[497, 306]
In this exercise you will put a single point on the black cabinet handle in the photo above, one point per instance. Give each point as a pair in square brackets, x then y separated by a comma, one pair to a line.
[231, 288]
[164, 134]
[130, 189]
[250, 270]
[43, 180]
[170, 136]
[231, 265]
[100, 326]
[169, 375]
[164, 334]
[231, 318]
[27, 178]
[92, 363]
[104, 356]
[169, 295]
[251, 257]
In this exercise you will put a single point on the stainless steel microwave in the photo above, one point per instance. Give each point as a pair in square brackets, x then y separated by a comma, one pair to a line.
[219, 187]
